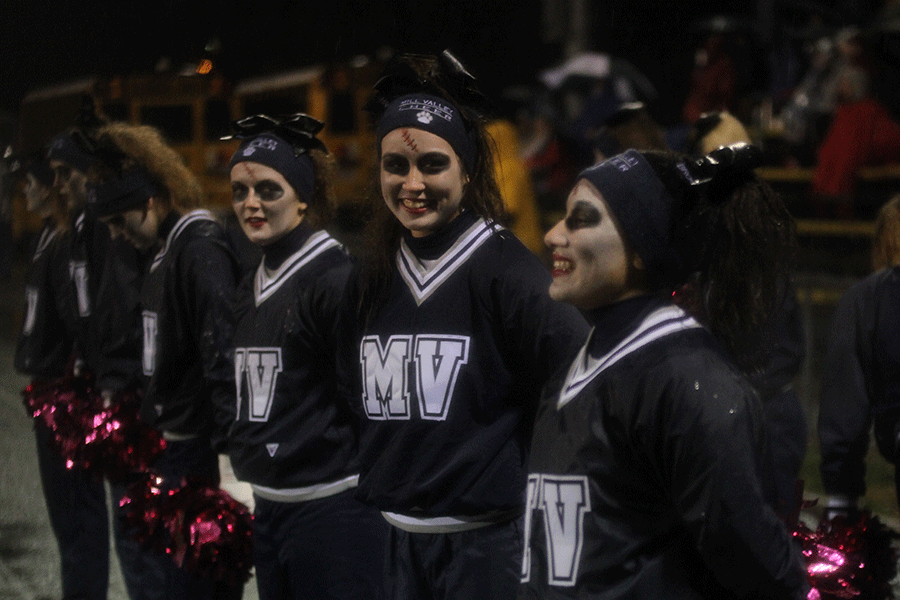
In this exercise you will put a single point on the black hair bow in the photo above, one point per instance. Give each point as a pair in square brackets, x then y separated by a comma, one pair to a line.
[298, 129]
[445, 76]
[725, 162]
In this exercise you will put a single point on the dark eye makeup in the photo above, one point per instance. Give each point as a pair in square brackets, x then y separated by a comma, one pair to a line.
[430, 163]
[266, 190]
[583, 214]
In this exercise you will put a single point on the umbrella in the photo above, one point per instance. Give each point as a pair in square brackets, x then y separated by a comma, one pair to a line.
[596, 65]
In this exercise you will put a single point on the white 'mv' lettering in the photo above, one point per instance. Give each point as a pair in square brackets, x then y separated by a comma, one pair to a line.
[31, 303]
[436, 363]
[563, 500]
[150, 330]
[438, 360]
[259, 369]
[79, 273]
[384, 372]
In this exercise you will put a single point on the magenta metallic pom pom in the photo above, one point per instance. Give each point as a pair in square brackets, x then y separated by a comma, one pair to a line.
[60, 405]
[202, 528]
[848, 558]
[143, 511]
[212, 533]
[117, 440]
[91, 432]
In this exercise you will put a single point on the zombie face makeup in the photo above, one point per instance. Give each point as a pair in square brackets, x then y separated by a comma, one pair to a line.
[266, 205]
[422, 179]
[37, 196]
[592, 266]
[71, 183]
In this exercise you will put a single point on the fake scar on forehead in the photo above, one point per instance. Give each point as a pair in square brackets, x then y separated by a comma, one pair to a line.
[247, 169]
[408, 140]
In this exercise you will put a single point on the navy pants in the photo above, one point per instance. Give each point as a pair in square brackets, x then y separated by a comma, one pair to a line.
[150, 575]
[76, 504]
[482, 563]
[328, 548]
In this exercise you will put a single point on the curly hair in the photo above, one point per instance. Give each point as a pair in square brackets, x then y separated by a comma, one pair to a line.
[739, 236]
[144, 146]
[321, 210]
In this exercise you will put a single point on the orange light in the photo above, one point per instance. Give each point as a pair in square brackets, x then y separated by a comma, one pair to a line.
[204, 67]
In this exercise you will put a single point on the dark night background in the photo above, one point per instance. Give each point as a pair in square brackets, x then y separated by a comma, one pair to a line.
[503, 42]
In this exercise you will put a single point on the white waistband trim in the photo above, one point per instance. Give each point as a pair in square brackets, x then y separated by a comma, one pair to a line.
[304, 494]
[448, 524]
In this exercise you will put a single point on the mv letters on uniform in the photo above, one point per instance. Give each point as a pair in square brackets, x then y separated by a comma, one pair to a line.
[562, 501]
[427, 363]
[259, 368]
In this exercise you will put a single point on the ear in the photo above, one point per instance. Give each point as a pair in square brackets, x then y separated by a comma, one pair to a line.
[302, 207]
[637, 263]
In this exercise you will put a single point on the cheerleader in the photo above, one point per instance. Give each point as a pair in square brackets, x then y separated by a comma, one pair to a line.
[454, 336]
[648, 450]
[292, 440]
[146, 196]
[76, 498]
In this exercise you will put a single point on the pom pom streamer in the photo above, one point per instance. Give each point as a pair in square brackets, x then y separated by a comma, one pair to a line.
[849, 557]
[91, 433]
[202, 528]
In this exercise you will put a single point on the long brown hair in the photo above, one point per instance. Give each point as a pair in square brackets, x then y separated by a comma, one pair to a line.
[481, 195]
[741, 238]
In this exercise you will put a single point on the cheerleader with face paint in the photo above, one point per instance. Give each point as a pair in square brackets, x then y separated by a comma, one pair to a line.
[75, 498]
[648, 457]
[292, 440]
[454, 334]
[147, 197]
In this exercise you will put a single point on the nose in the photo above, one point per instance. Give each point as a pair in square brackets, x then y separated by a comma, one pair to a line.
[413, 180]
[556, 238]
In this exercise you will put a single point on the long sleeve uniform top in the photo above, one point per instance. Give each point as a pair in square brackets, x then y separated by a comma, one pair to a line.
[44, 345]
[188, 324]
[292, 438]
[644, 476]
[861, 381]
[449, 371]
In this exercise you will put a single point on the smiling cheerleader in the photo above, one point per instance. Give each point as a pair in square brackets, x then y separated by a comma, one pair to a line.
[648, 451]
[455, 335]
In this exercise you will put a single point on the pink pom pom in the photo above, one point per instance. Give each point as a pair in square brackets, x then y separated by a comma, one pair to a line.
[202, 528]
[848, 558]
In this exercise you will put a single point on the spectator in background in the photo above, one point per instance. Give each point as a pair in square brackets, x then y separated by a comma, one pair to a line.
[714, 81]
[515, 185]
[861, 374]
[862, 132]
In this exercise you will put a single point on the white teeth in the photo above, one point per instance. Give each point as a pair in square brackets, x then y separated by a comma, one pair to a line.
[562, 265]
[414, 204]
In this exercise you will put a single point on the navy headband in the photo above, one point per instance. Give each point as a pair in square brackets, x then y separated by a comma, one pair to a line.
[644, 210]
[275, 152]
[434, 115]
[65, 148]
[119, 194]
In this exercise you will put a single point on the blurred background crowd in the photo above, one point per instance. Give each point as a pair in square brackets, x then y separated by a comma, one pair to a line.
[811, 82]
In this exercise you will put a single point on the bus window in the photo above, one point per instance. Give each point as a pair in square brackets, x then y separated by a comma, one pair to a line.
[218, 119]
[173, 121]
